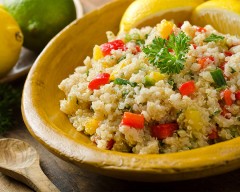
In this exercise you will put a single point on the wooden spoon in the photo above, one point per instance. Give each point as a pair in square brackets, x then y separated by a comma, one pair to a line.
[21, 161]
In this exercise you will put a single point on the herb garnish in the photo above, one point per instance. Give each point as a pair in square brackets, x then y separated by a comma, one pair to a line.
[218, 78]
[159, 55]
[120, 81]
[135, 37]
[10, 97]
[213, 37]
[232, 70]
[121, 58]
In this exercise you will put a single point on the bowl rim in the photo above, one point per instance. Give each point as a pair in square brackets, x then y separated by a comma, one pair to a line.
[82, 154]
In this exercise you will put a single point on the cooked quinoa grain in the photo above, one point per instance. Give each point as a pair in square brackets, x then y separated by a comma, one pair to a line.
[141, 93]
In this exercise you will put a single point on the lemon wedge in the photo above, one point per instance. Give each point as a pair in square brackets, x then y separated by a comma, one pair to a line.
[150, 12]
[223, 15]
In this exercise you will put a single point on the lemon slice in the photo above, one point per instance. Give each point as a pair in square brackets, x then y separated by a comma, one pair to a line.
[150, 12]
[223, 15]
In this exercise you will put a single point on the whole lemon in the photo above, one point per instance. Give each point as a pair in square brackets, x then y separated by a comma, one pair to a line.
[11, 39]
[40, 20]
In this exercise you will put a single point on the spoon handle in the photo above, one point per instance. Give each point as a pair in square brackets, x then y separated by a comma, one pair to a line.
[37, 180]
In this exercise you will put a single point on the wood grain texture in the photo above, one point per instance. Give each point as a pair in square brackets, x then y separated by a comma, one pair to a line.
[20, 161]
[7, 184]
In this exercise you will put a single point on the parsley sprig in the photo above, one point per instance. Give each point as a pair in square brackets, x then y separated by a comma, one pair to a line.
[213, 37]
[159, 55]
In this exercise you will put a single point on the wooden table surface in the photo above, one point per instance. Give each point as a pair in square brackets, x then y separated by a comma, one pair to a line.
[69, 178]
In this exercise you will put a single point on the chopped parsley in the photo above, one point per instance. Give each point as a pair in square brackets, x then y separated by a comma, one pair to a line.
[213, 37]
[119, 81]
[121, 58]
[172, 83]
[135, 37]
[232, 70]
[159, 55]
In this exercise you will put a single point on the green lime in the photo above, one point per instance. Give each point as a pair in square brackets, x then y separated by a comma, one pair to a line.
[40, 20]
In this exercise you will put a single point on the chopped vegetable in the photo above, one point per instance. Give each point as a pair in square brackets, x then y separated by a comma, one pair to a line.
[133, 120]
[203, 61]
[153, 77]
[113, 45]
[193, 118]
[222, 65]
[158, 53]
[213, 134]
[137, 49]
[110, 144]
[201, 29]
[163, 131]
[99, 80]
[228, 53]
[97, 53]
[165, 28]
[148, 81]
[118, 67]
[187, 88]
[227, 96]
[194, 46]
[225, 113]
[133, 36]
[218, 78]
[213, 37]
[237, 95]
[91, 126]
[120, 81]
[157, 76]
[121, 58]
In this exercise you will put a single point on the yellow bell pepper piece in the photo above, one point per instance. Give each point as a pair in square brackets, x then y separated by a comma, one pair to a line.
[157, 76]
[165, 28]
[97, 53]
[91, 126]
[194, 118]
[116, 71]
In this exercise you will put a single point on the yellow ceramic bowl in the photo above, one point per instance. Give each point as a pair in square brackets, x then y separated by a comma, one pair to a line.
[40, 108]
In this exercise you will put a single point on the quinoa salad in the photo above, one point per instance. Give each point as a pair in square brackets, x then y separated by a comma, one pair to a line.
[161, 89]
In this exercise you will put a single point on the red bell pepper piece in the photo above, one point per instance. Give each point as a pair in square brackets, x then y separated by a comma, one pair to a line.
[179, 25]
[110, 144]
[227, 96]
[228, 53]
[133, 120]
[163, 131]
[101, 79]
[201, 29]
[137, 50]
[222, 65]
[237, 95]
[194, 46]
[113, 45]
[187, 88]
[202, 61]
[213, 134]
